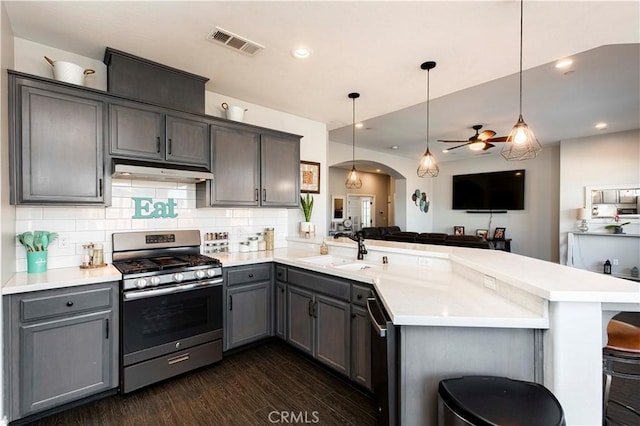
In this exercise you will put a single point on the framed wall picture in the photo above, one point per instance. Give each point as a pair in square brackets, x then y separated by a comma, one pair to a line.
[458, 230]
[309, 177]
[499, 233]
[482, 233]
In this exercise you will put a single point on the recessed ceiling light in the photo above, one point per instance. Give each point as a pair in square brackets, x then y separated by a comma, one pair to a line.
[359, 125]
[601, 126]
[301, 52]
[378, 170]
[564, 63]
[394, 147]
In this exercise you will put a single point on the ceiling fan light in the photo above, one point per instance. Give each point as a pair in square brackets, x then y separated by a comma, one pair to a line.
[353, 179]
[521, 143]
[428, 166]
[477, 146]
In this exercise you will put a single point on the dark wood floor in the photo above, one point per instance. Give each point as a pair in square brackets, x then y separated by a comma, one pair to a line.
[252, 387]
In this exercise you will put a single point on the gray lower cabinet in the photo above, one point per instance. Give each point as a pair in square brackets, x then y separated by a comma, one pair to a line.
[143, 132]
[54, 162]
[332, 333]
[248, 304]
[61, 346]
[360, 346]
[252, 167]
[300, 321]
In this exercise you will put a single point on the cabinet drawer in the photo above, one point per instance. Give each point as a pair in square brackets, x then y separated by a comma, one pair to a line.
[359, 294]
[320, 283]
[281, 273]
[47, 306]
[248, 274]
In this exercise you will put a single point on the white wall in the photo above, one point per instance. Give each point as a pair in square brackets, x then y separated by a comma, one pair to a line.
[598, 160]
[534, 230]
[407, 216]
[7, 212]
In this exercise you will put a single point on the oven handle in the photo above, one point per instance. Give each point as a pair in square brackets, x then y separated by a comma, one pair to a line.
[169, 290]
[382, 331]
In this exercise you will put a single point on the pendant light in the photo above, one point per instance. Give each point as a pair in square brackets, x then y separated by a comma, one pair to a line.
[353, 179]
[521, 143]
[428, 166]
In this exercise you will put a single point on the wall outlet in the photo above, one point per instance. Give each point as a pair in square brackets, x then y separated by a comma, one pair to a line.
[615, 262]
[424, 261]
[490, 282]
[63, 241]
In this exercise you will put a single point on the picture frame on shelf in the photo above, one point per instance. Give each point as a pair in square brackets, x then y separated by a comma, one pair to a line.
[499, 233]
[458, 230]
[309, 177]
[482, 233]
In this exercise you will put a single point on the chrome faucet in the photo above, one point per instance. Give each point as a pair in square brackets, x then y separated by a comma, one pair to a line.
[358, 238]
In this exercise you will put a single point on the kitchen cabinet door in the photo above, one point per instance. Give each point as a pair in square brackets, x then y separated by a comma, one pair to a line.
[236, 165]
[136, 132]
[64, 360]
[280, 171]
[281, 310]
[248, 313]
[300, 323]
[360, 346]
[188, 141]
[57, 147]
[332, 333]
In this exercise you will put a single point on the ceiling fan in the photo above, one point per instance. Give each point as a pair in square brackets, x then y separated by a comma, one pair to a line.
[479, 141]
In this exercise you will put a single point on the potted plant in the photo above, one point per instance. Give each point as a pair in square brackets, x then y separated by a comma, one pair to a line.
[306, 203]
[617, 227]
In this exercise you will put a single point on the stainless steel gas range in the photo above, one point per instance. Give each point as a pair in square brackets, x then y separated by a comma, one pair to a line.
[171, 305]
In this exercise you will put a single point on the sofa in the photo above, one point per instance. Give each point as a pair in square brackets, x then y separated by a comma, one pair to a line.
[394, 233]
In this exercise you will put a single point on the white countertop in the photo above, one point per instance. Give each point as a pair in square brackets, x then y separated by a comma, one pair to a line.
[23, 282]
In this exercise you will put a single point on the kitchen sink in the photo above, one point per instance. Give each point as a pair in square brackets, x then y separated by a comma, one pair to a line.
[326, 260]
[356, 266]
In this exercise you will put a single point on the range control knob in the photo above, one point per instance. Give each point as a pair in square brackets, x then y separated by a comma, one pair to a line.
[154, 281]
[211, 273]
[141, 282]
[200, 274]
[178, 277]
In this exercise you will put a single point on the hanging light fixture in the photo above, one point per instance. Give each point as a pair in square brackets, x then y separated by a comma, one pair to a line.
[353, 179]
[521, 143]
[428, 166]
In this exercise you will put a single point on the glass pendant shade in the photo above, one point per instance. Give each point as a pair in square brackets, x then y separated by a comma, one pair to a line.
[477, 146]
[353, 180]
[428, 166]
[521, 143]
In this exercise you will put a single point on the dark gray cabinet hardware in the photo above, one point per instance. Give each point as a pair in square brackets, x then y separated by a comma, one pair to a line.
[353, 316]
[250, 275]
[44, 148]
[69, 303]
[101, 187]
[310, 307]
[359, 297]
[230, 302]
[315, 309]
[158, 144]
[107, 328]
[169, 149]
[252, 167]
[282, 290]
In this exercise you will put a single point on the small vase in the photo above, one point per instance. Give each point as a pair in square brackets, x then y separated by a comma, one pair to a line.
[618, 230]
[36, 261]
[307, 229]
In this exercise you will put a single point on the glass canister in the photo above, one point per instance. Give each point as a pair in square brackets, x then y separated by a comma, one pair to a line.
[244, 247]
[269, 236]
[98, 255]
[253, 243]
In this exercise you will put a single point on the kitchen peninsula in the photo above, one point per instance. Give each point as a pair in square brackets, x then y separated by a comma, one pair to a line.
[463, 311]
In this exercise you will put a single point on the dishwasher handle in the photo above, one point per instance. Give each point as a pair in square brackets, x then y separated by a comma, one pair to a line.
[380, 328]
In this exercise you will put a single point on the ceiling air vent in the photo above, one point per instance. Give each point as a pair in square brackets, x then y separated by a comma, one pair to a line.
[235, 42]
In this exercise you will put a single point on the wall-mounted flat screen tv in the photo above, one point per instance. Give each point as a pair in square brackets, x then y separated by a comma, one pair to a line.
[489, 191]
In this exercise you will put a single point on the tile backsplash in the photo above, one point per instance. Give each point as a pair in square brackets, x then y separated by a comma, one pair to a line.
[82, 225]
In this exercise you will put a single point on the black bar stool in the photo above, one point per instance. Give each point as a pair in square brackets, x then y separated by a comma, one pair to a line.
[492, 401]
[623, 348]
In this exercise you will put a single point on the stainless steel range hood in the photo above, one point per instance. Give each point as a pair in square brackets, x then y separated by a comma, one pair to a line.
[128, 171]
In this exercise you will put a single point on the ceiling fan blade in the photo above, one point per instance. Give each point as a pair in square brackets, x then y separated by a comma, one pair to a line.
[499, 139]
[448, 141]
[459, 146]
[487, 134]
[487, 146]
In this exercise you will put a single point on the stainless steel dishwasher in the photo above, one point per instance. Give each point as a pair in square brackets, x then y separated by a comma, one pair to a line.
[384, 362]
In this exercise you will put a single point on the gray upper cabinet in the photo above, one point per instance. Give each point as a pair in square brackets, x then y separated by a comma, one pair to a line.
[60, 346]
[57, 136]
[252, 167]
[146, 133]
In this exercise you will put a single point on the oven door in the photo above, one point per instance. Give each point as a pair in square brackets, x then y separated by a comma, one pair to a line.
[160, 321]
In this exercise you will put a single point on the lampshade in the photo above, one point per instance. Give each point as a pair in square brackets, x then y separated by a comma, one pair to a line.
[584, 214]
[428, 166]
[353, 179]
[521, 144]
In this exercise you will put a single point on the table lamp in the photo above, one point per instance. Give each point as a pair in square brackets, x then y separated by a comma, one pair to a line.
[583, 215]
